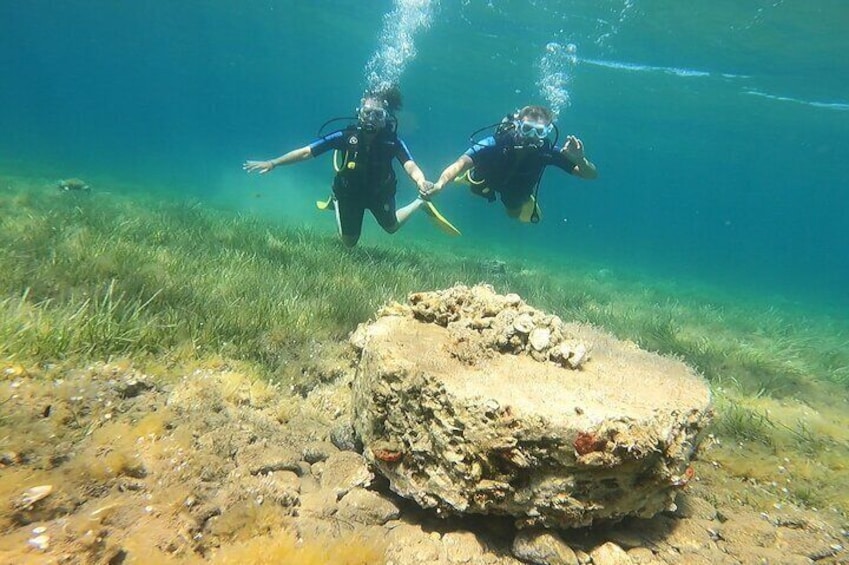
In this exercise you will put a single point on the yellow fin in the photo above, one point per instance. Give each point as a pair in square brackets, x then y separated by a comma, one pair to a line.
[439, 220]
[328, 204]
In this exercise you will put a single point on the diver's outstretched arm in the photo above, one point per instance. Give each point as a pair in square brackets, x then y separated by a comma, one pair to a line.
[294, 156]
[455, 169]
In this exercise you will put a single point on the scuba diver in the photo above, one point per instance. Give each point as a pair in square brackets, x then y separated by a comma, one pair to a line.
[511, 162]
[365, 178]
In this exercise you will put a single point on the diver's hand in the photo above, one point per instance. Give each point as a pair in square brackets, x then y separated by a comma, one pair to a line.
[261, 166]
[574, 149]
[425, 187]
[431, 190]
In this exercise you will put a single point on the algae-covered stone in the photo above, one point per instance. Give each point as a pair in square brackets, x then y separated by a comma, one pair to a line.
[367, 507]
[72, 185]
[472, 418]
[344, 471]
[543, 547]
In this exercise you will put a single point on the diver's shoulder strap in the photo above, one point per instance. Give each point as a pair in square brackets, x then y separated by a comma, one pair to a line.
[352, 131]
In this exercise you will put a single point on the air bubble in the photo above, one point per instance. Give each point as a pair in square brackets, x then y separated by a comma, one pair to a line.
[556, 67]
[397, 46]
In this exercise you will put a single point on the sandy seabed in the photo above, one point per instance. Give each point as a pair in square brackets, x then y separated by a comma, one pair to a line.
[107, 464]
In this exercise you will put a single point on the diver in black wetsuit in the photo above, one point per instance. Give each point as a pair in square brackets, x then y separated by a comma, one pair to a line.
[365, 178]
[511, 162]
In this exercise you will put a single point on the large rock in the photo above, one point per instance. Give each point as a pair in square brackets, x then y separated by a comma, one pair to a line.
[472, 402]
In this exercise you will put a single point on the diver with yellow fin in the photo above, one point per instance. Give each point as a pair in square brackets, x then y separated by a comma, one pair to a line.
[511, 162]
[365, 179]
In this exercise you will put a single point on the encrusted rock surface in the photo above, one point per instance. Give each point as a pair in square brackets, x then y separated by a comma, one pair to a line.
[472, 402]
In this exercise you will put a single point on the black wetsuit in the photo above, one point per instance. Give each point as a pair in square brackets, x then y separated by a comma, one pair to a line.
[366, 179]
[500, 166]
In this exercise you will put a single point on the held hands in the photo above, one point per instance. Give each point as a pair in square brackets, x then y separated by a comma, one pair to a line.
[574, 149]
[254, 166]
[426, 189]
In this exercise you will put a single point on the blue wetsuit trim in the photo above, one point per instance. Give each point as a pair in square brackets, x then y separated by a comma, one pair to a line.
[326, 143]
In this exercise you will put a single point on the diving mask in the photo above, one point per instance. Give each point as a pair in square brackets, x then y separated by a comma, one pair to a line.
[533, 130]
[372, 117]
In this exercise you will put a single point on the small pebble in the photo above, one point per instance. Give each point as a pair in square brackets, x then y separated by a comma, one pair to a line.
[41, 542]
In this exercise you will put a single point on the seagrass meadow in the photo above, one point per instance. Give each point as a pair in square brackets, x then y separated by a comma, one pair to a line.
[168, 284]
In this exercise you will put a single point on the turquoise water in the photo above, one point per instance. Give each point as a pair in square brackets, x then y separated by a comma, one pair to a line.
[720, 129]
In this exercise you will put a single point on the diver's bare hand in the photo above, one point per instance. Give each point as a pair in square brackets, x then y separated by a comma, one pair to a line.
[431, 191]
[261, 166]
[425, 188]
[574, 149]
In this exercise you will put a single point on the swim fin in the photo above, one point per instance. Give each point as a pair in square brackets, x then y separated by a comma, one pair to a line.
[323, 205]
[530, 211]
[439, 220]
